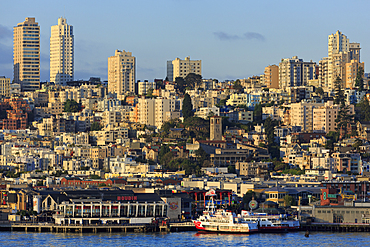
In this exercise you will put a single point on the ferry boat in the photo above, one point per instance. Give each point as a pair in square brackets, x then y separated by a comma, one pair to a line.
[271, 223]
[224, 221]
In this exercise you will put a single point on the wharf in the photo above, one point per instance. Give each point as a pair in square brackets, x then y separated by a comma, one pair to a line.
[76, 228]
[336, 227]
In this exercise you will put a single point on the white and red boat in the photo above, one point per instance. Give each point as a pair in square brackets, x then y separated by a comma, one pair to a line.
[271, 223]
[223, 221]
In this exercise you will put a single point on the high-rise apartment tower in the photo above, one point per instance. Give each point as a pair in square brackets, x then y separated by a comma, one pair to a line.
[121, 73]
[61, 53]
[26, 54]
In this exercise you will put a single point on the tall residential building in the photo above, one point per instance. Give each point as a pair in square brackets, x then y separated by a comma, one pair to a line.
[340, 52]
[61, 53]
[323, 76]
[121, 73]
[294, 72]
[271, 76]
[26, 54]
[352, 68]
[181, 68]
[4, 86]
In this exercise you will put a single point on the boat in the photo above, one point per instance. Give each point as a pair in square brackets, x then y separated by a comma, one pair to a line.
[222, 221]
[271, 223]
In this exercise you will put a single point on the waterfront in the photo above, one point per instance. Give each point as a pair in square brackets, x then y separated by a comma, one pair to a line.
[183, 239]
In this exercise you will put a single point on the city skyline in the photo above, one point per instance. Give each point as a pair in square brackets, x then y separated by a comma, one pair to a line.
[237, 43]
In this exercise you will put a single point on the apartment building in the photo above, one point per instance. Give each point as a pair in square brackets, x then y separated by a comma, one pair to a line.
[121, 73]
[154, 112]
[351, 72]
[271, 76]
[181, 68]
[61, 53]
[4, 86]
[26, 48]
[144, 86]
[324, 117]
[301, 114]
[294, 72]
[340, 52]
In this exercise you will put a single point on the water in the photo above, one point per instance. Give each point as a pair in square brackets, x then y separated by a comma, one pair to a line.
[183, 239]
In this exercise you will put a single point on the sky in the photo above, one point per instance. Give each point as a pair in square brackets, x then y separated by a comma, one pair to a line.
[234, 39]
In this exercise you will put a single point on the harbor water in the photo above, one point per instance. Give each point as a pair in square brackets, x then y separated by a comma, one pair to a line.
[184, 239]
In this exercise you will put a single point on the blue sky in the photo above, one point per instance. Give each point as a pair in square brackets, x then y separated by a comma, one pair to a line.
[234, 39]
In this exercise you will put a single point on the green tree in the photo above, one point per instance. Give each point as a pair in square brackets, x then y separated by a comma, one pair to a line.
[319, 91]
[150, 92]
[248, 197]
[344, 120]
[193, 80]
[359, 79]
[364, 110]
[166, 159]
[257, 113]
[164, 150]
[187, 107]
[231, 169]
[238, 86]
[289, 201]
[201, 156]
[71, 106]
[95, 126]
[180, 84]
[339, 98]
[357, 144]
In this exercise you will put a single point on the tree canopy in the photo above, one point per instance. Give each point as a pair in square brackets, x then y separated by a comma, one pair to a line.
[96, 126]
[187, 107]
[71, 106]
[359, 83]
[339, 98]
[364, 112]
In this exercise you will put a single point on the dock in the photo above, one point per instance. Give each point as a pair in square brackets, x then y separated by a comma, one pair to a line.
[76, 228]
[336, 227]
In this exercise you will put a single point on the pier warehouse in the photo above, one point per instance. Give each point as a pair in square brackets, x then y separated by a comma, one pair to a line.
[105, 206]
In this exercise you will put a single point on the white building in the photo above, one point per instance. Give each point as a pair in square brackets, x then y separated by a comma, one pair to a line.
[61, 53]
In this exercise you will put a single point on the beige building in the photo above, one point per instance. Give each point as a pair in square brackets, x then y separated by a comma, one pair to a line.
[181, 68]
[324, 117]
[61, 53]
[323, 76]
[301, 114]
[145, 86]
[340, 52]
[215, 128]
[121, 73]
[4, 86]
[351, 72]
[155, 112]
[271, 76]
[27, 54]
